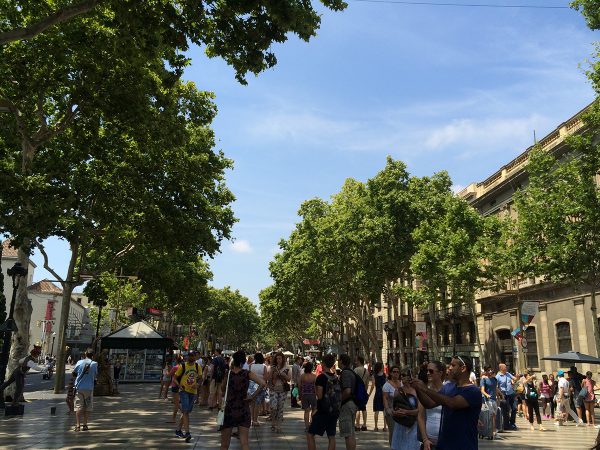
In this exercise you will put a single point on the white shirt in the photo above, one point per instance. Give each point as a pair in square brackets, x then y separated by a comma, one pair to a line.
[30, 364]
[563, 383]
[473, 378]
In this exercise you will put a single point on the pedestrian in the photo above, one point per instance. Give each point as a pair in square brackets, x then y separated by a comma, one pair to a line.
[532, 398]
[236, 401]
[205, 387]
[389, 392]
[85, 372]
[165, 380]
[187, 377]
[461, 405]
[365, 376]
[17, 376]
[348, 408]
[430, 419]
[308, 393]
[70, 399]
[589, 399]
[545, 388]
[219, 367]
[279, 377]
[576, 384]
[564, 401]
[379, 380]
[506, 382]
[296, 374]
[554, 393]
[405, 409]
[489, 391]
[259, 369]
[177, 362]
[328, 391]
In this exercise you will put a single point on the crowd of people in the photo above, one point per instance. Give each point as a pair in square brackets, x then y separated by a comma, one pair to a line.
[438, 408]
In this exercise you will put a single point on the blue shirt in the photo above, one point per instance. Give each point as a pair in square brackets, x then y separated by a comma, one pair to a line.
[85, 381]
[458, 430]
[489, 386]
[505, 383]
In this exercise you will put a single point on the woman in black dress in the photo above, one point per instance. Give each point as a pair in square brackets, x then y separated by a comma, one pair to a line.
[237, 407]
[379, 380]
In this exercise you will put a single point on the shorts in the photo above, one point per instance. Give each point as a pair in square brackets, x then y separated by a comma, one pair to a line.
[186, 400]
[309, 401]
[323, 423]
[579, 402]
[84, 399]
[346, 420]
[261, 396]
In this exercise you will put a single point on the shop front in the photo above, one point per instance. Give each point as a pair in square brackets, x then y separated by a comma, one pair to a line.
[141, 351]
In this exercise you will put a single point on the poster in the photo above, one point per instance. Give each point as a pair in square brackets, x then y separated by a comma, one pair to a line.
[421, 336]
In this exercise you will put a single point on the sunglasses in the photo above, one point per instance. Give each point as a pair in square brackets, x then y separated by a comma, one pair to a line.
[430, 371]
[395, 371]
[460, 359]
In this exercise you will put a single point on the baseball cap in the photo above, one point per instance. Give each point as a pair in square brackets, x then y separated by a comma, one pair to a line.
[560, 373]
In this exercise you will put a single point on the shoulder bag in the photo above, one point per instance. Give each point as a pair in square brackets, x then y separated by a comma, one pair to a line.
[221, 413]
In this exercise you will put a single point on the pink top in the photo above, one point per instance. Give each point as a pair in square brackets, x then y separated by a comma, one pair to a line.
[172, 374]
[590, 387]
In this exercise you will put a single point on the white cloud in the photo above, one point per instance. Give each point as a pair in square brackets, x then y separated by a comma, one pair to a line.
[241, 246]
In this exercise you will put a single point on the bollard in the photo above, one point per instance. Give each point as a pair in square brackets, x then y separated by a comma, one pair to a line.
[53, 410]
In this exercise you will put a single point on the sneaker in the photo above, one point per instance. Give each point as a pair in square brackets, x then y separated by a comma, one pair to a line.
[188, 437]
[179, 434]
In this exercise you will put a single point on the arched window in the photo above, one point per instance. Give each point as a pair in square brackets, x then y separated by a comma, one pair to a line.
[532, 351]
[563, 337]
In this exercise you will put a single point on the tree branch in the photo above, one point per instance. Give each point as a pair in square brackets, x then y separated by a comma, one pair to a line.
[6, 104]
[46, 264]
[44, 134]
[60, 16]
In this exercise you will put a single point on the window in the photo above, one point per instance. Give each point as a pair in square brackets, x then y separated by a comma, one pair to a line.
[563, 337]
[532, 352]
[446, 336]
[472, 338]
[458, 338]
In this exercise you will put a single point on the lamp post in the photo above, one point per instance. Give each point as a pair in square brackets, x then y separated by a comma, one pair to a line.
[7, 328]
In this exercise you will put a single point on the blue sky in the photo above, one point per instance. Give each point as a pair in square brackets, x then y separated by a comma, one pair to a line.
[441, 88]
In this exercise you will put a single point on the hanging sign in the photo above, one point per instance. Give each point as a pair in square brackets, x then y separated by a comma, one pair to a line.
[528, 312]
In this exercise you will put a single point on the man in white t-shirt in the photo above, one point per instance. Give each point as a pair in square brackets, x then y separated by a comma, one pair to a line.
[564, 401]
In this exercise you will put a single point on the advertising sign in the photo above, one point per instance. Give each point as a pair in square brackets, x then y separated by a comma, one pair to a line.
[421, 336]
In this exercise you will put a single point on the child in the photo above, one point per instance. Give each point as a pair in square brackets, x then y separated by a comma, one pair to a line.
[71, 395]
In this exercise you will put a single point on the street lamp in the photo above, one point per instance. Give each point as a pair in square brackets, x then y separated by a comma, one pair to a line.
[7, 328]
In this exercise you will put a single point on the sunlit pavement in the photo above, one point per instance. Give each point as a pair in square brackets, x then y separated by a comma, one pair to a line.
[137, 419]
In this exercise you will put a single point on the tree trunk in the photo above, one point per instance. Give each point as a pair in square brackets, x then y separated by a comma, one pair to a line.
[22, 316]
[595, 320]
[482, 362]
[68, 285]
[433, 338]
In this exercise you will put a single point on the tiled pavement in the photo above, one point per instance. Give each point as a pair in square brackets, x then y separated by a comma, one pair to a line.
[137, 419]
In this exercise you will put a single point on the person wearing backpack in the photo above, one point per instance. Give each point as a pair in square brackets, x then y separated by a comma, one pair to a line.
[348, 408]
[85, 372]
[187, 378]
[329, 401]
[365, 377]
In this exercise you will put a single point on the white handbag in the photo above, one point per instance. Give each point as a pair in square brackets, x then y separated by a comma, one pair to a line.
[221, 413]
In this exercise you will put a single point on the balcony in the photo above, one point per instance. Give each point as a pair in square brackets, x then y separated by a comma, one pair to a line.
[452, 312]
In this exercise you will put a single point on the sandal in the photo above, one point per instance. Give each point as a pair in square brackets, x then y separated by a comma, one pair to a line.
[76, 429]
[363, 428]
[84, 428]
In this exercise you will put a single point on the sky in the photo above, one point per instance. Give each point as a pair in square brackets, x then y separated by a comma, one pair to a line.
[460, 89]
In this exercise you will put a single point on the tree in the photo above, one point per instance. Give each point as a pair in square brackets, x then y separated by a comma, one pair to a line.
[559, 213]
[231, 317]
[242, 33]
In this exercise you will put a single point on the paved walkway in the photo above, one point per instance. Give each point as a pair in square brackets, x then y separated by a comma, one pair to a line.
[133, 420]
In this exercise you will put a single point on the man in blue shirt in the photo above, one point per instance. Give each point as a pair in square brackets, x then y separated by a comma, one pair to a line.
[505, 383]
[85, 372]
[461, 405]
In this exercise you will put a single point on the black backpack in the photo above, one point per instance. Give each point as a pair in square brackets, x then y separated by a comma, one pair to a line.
[218, 370]
[332, 396]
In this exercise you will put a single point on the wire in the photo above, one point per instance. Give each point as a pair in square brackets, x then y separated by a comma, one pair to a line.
[465, 5]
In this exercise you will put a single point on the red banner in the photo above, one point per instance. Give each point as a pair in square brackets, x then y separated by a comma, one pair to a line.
[186, 343]
[311, 342]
